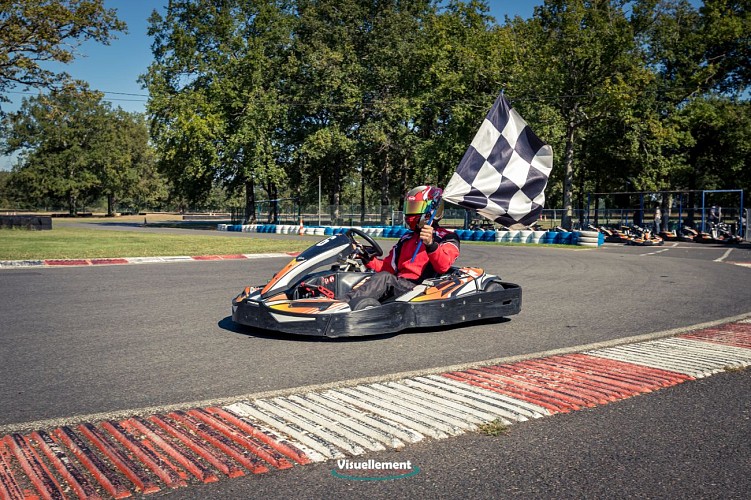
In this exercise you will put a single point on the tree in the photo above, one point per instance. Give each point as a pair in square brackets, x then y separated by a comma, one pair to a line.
[581, 53]
[123, 159]
[328, 86]
[215, 109]
[465, 60]
[36, 32]
[75, 148]
[57, 134]
[5, 199]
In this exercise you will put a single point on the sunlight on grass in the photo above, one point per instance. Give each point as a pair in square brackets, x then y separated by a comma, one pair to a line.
[72, 243]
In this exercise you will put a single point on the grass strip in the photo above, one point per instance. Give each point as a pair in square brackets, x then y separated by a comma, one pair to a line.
[83, 243]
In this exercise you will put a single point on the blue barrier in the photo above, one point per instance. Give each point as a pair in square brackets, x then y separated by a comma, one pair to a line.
[549, 237]
[488, 236]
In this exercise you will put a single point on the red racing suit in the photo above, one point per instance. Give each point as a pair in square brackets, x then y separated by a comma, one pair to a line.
[428, 263]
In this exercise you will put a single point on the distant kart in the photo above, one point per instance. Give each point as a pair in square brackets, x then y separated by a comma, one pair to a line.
[303, 300]
[644, 238]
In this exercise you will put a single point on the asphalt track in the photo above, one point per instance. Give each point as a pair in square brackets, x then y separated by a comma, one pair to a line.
[91, 340]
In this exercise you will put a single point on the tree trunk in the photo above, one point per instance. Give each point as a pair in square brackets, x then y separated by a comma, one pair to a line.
[275, 204]
[362, 194]
[667, 202]
[580, 199]
[110, 205]
[568, 177]
[385, 202]
[72, 207]
[250, 202]
[335, 193]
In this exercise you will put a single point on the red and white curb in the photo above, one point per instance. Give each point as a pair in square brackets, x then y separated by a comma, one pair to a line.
[8, 264]
[137, 455]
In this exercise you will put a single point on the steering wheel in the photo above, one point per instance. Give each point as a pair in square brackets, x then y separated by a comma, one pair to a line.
[373, 249]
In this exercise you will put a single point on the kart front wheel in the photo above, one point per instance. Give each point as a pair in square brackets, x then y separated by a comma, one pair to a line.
[366, 303]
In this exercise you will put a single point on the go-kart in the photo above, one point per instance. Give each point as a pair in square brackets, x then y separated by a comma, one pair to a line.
[302, 299]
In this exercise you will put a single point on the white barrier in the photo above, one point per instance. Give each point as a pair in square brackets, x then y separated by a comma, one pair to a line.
[537, 236]
[588, 238]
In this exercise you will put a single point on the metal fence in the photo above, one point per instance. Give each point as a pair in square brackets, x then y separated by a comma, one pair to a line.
[287, 212]
[459, 218]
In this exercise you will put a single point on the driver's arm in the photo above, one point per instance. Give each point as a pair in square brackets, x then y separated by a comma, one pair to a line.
[443, 250]
[385, 264]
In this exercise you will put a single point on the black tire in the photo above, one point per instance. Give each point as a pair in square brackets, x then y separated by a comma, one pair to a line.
[493, 286]
[366, 303]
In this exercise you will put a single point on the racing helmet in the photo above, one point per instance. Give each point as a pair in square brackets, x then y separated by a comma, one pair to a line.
[420, 201]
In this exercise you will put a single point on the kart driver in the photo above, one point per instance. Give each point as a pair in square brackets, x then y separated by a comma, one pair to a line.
[399, 272]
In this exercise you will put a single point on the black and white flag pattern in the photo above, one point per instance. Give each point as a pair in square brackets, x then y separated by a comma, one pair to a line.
[505, 170]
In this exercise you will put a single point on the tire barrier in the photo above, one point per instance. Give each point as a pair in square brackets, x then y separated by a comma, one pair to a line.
[580, 238]
[589, 238]
[538, 236]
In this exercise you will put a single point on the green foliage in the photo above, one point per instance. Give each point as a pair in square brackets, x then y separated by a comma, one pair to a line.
[5, 199]
[215, 85]
[34, 32]
[75, 149]
[253, 100]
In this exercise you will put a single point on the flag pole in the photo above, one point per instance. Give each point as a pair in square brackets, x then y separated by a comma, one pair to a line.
[433, 208]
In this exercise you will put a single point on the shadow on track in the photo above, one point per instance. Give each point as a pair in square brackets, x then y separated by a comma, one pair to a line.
[229, 325]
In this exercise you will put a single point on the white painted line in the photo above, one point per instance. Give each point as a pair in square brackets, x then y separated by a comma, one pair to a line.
[347, 430]
[177, 258]
[728, 353]
[660, 363]
[461, 390]
[311, 441]
[654, 253]
[389, 428]
[461, 406]
[275, 436]
[21, 263]
[445, 424]
[266, 255]
[675, 357]
[658, 354]
[352, 419]
[387, 411]
[143, 260]
[453, 416]
[310, 424]
[518, 409]
[724, 256]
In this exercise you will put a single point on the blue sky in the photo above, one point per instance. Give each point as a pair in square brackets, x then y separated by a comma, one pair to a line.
[114, 69]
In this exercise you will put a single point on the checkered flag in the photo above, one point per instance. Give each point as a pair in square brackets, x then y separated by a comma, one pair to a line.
[505, 170]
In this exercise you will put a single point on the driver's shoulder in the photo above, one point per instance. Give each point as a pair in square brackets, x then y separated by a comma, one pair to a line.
[445, 234]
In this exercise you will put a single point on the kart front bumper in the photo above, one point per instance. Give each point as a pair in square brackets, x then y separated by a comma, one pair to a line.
[390, 317]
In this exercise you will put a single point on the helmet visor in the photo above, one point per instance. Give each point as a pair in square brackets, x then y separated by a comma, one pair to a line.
[415, 207]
